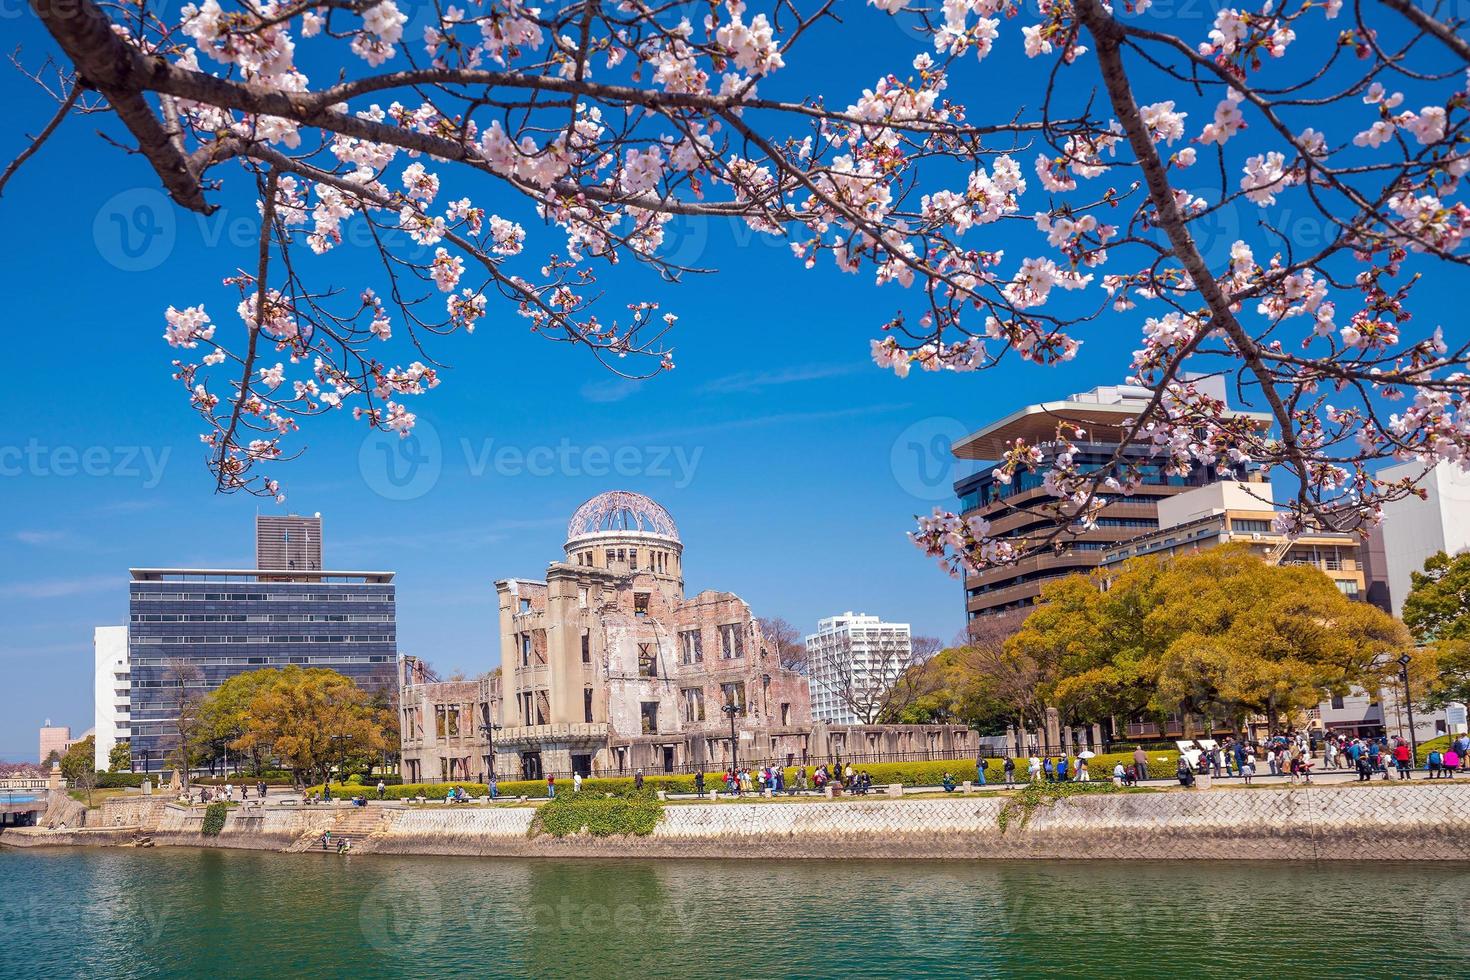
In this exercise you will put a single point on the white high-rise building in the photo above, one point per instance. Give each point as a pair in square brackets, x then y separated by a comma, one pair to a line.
[852, 662]
[110, 706]
[1415, 529]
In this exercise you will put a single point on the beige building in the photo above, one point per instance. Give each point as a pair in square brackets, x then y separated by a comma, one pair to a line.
[607, 667]
[1233, 511]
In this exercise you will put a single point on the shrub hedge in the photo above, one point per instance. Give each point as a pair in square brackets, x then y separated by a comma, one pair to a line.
[1161, 765]
[598, 814]
[214, 819]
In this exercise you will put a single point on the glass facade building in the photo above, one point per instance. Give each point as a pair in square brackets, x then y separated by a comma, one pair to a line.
[189, 630]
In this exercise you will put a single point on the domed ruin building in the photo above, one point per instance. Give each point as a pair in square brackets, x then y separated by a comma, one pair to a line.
[607, 667]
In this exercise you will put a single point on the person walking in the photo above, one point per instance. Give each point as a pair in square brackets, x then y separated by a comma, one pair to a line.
[801, 783]
[382, 788]
[1140, 763]
[494, 787]
[1033, 769]
[1010, 770]
[1401, 759]
[699, 784]
[638, 780]
[550, 786]
[260, 789]
[980, 769]
[576, 782]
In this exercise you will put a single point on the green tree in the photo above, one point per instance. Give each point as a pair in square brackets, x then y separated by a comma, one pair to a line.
[1437, 612]
[79, 766]
[1438, 604]
[312, 719]
[120, 759]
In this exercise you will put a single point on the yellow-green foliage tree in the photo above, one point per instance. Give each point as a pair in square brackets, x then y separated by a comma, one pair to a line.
[311, 719]
[1219, 634]
[224, 714]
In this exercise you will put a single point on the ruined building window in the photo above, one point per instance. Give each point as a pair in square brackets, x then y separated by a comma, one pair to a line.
[732, 641]
[633, 559]
[612, 556]
[691, 647]
[525, 604]
[582, 597]
[586, 646]
[733, 692]
[543, 708]
[587, 704]
[647, 660]
[693, 704]
[640, 603]
[525, 649]
[649, 713]
[785, 713]
[441, 728]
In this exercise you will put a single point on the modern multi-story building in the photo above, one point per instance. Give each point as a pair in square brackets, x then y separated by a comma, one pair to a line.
[111, 707]
[853, 660]
[1233, 511]
[1414, 530]
[607, 667]
[190, 629]
[1019, 509]
[288, 541]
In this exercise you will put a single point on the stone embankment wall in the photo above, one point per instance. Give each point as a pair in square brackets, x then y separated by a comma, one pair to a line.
[1379, 822]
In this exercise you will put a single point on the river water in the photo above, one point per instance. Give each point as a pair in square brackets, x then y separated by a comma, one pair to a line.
[178, 912]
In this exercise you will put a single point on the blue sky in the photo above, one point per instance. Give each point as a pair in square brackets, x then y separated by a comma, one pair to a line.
[792, 466]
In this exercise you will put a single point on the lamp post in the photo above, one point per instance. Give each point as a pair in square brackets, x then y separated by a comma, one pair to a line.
[490, 731]
[341, 741]
[1404, 662]
[732, 709]
[146, 753]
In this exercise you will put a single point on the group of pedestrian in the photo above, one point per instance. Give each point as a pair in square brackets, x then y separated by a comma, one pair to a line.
[1050, 769]
[227, 792]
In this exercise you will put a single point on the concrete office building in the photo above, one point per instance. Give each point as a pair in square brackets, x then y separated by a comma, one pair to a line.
[852, 661]
[52, 738]
[111, 705]
[1017, 509]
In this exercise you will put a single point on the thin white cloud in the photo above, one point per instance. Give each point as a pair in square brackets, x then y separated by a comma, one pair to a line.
[610, 390]
[743, 382]
[779, 418]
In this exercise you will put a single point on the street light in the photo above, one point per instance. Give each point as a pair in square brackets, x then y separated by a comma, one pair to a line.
[732, 709]
[490, 731]
[1404, 662]
[341, 755]
[146, 753]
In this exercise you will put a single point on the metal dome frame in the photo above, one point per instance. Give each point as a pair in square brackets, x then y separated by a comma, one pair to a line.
[621, 510]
